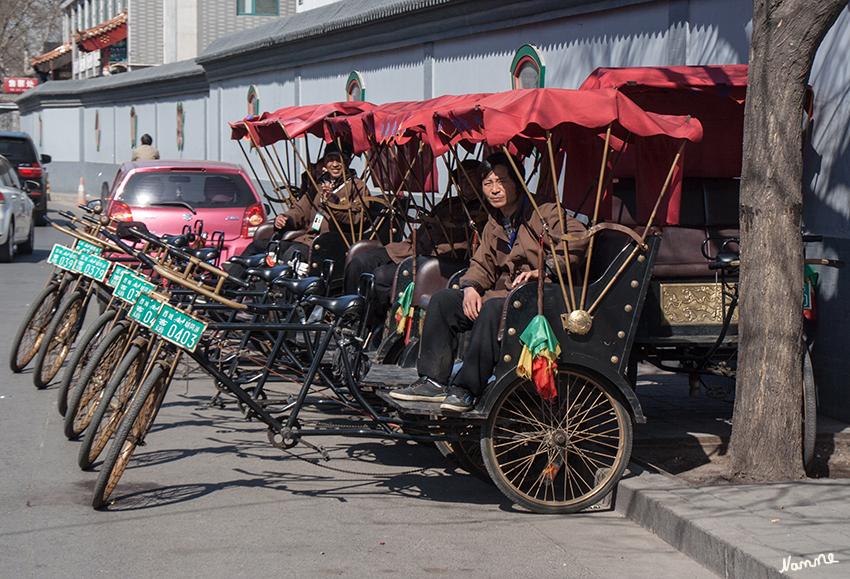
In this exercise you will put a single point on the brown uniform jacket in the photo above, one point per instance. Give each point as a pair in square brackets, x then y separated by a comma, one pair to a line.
[303, 213]
[435, 241]
[144, 153]
[494, 257]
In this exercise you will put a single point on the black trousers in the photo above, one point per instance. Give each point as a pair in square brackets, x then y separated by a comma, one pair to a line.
[379, 263]
[444, 321]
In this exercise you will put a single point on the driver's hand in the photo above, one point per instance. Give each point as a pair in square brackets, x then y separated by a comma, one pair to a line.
[471, 303]
[524, 277]
[280, 221]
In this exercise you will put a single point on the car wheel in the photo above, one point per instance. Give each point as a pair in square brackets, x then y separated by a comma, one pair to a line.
[7, 250]
[40, 217]
[27, 246]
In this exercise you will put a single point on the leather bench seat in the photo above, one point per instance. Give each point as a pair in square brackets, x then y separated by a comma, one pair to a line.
[709, 209]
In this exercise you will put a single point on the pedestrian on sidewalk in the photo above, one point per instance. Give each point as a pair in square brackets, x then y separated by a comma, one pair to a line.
[145, 152]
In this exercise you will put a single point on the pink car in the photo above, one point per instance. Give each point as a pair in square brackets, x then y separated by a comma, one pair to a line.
[166, 195]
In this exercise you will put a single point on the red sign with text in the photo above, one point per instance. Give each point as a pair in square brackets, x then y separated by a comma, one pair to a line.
[19, 85]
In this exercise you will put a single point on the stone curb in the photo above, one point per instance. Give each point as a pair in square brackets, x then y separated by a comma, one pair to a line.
[689, 519]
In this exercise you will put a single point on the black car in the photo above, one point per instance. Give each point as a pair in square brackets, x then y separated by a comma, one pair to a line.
[20, 151]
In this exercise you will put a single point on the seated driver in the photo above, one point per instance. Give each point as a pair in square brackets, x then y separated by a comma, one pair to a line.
[510, 244]
[450, 238]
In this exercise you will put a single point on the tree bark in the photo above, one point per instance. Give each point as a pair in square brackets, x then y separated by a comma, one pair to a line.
[766, 432]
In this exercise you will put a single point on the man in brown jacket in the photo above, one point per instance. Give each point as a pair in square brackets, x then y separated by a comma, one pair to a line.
[145, 151]
[337, 207]
[510, 245]
[443, 232]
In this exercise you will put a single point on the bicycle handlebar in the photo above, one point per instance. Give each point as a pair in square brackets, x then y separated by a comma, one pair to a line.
[186, 257]
[128, 250]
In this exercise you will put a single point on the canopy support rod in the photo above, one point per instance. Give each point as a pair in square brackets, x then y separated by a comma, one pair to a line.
[646, 231]
[595, 215]
[569, 298]
[537, 210]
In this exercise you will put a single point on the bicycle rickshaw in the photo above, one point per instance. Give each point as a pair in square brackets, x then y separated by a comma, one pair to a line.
[689, 324]
[557, 452]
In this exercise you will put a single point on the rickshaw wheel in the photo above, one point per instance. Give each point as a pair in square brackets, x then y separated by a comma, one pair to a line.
[810, 409]
[466, 453]
[586, 429]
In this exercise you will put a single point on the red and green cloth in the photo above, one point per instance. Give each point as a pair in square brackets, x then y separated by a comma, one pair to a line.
[404, 312]
[538, 361]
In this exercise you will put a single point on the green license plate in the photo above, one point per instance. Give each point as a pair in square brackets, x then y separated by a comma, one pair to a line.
[130, 286]
[62, 257]
[117, 272]
[86, 247]
[178, 328]
[91, 266]
[145, 310]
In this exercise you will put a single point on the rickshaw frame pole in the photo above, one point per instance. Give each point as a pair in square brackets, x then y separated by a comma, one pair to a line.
[646, 231]
[255, 144]
[254, 171]
[569, 298]
[407, 172]
[462, 170]
[285, 179]
[595, 216]
[387, 200]
[345, 178]
[421, 184]
[539, 214]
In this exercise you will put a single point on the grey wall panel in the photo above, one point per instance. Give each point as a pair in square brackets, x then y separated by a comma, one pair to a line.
[60, 133]
[325, 83]
[146, 122]
[828, 157]
[389, 76]
[104, 118]
[472, 65]
[194, 111]
[123, 149]
[719, 32]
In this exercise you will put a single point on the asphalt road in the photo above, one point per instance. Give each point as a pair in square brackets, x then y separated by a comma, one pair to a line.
[209, 497]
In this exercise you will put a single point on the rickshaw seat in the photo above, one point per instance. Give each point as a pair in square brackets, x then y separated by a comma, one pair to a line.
[268, 274]
[264, 231]
[361, 246]
[347, 306]
[290, 235]
[432, 276]
[709, 209]
[248, 261]
[301, 287]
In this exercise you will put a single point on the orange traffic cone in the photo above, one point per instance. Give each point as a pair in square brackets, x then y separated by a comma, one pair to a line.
[81, 193]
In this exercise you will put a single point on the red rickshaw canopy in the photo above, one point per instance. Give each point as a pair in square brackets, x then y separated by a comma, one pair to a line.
[293, 122]
[521, 120]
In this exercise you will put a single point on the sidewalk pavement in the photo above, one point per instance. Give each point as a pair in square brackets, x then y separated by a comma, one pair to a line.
[750, 531]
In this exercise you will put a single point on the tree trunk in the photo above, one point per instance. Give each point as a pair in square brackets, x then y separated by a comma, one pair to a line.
[766, 432]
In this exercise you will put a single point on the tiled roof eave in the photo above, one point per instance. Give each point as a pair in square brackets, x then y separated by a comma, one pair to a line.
[102, 28]
[404, 7]
[48, 56]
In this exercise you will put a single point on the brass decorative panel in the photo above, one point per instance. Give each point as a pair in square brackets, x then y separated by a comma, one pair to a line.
[692, 304]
